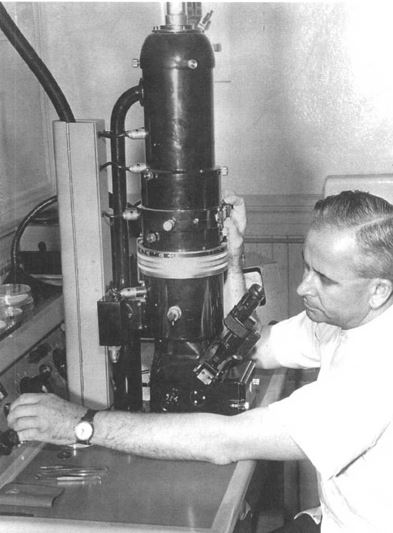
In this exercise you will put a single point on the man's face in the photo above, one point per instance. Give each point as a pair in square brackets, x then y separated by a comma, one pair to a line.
[331, 289]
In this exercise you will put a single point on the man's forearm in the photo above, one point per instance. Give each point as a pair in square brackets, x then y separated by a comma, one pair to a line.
[195, 436]
[199, 436]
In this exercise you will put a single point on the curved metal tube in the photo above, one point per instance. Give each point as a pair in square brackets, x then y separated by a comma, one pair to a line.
[127, 371]
[120, 245]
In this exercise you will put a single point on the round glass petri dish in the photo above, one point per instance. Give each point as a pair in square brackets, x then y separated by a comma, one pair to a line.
[14, 314]
[15, 295]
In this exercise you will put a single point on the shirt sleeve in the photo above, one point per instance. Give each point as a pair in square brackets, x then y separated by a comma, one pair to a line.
[293, 343]
[335, 421]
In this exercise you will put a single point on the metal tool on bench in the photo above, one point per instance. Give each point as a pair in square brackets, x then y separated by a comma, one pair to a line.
[71, 473]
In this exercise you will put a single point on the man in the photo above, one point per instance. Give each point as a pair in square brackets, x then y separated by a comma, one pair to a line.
[343, 422]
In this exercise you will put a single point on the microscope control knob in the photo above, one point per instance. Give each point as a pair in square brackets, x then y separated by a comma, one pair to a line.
[152, 237]
[8, 440]
[45, 371]
[192, 64]
[169, 224]
[174, 314]
[38, 383]
[114, 353]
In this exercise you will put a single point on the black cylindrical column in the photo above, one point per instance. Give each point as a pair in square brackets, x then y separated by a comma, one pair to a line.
[178, 100]
[181, 256]
[181, 187]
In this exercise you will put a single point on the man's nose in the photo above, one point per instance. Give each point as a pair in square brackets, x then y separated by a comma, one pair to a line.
[307, 285]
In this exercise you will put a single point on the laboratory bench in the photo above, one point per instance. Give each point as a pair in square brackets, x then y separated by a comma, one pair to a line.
[134, 494]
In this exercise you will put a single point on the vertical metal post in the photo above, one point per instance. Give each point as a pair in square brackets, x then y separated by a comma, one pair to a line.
[86, 257]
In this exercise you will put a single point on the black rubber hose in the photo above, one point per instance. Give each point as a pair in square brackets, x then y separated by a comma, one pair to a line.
[36, 65]
[56, 96]
[21, 228]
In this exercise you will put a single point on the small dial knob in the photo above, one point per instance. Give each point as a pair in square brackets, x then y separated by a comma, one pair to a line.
[174, 314]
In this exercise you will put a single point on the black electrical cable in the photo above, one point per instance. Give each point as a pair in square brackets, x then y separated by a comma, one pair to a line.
[21, 228]
[36, 65]
[56, 96]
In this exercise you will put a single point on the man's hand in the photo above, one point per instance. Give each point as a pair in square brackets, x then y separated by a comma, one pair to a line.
[44, 417]
[235, 226]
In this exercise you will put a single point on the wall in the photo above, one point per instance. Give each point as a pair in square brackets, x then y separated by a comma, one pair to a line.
[302, 91]
[276, 228]
[25, 176]
[90, 48]
[308, 94]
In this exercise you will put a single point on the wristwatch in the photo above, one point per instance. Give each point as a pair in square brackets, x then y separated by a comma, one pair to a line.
[84, 429]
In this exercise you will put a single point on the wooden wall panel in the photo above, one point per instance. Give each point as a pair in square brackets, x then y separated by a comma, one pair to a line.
[275, 233]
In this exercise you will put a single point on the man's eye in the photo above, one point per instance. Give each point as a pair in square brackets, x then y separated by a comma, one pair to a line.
[325, 280]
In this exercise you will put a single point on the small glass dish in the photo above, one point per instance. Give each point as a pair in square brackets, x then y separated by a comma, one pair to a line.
[16, 303]
[15, 294]
[10, 315]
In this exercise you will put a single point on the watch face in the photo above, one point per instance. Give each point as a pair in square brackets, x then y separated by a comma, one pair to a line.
[83, 430]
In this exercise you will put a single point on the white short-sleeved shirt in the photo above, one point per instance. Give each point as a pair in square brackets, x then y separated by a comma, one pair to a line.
[344, 420]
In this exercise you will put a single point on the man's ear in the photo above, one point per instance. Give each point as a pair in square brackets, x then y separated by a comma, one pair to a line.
[382, 289]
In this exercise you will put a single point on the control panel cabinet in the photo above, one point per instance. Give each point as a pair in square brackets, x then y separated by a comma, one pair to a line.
[40, 369]
[32, 359]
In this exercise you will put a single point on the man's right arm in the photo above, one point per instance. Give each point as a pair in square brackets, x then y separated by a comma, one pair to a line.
[291, 343]
[219, 439]
[264, 356]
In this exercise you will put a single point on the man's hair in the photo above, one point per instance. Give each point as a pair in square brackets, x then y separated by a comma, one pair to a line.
[371, 218]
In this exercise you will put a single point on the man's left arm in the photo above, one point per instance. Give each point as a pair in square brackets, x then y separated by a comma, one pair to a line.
[235, 227]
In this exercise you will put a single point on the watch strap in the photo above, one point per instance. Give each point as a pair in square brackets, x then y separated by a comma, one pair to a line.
[89, 415]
